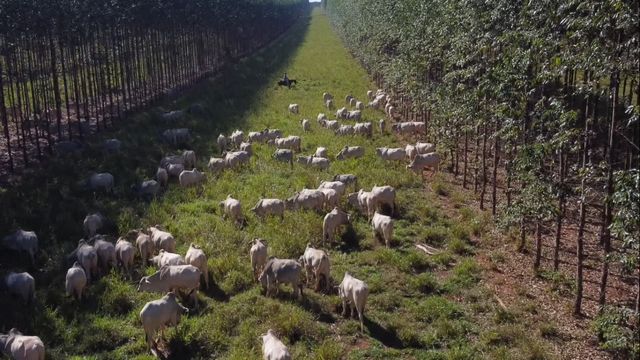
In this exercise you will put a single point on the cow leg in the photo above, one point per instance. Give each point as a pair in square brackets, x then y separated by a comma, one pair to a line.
[344, 307]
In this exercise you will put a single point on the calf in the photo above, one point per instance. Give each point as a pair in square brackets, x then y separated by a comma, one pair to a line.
[306, 125]
[145, 246]
[294, 108]
[87, 256]
[189, 159]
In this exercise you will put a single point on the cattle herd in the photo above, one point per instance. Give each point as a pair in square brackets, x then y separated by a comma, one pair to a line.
[178, 275]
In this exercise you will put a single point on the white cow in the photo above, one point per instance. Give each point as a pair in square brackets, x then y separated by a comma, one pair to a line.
[306, 125]
[162, 239]
[350, 152]
[327, 96]
[338, 186]
[236, 158]
[158, 314]
[190, 178]
[106, 253]
[21, 285]
[75, 281]
[87, 256]
[216, 164]
[101, 182]
[125, 254]
[266, 207]
[332, 222]
[353, 293]
[237, 137]
[422, 161]
[331, 198]
[246, 146]
[92, 223]
[189, 159]
[21, 347]
[165, 258]
[382, 225]
[180, 277]
[231, 208]
[306, 199]
[145, 246]
[290, 142]
[21, 240]
[393, 154]
[258, 256]
[294, 108]
[281, 271]
[321, 116]
[196, 257]
[273, 348]
[222, 143]
[162, 176]
[425, 148]
[320, 152]
[317, 267]
[317, 162]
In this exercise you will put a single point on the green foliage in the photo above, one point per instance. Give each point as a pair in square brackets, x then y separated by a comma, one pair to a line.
[615, 334]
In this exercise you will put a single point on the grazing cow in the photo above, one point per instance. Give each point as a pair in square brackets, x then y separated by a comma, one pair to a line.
[348, 98]
[162, 176]
[162, 239]
[294, 108]
[196, 257]
[350, 152]
[317, 267]
[411, 151]
[179, 277]
[329, 104]
[290, 142]
[246, 146]
[306, 125]
[353, 101]
[393, 154]
[171, 159]
[87, 256]
[145, 246]
[158, 314]
[320, 152]
[382, 195]
[354, 115]
[21, 347]
[231, 208]
[272, 134]
[425, 148]
[190, 178]
[106, 253]
[222, 143]
[258, 256]
[177, 137]
[370, 94]
[330, 124]
[125, 254]
[189, 157]
[365, 129]
[237, 137]
[21, 285]
[327, 96]
[266, 207]
[165, 258]
[421, 161]
[175, 170]
[256, 136]
[353, 292]
[216, 164]
[381, 125]
[75, 281]
[100, 182]
[317, 162]
[344, 130]
[273, 348]
[92, 223]
[172, 116]
[332, 222]
[359, 105]
[281, 271]
[21, 240]
[342, 113]
[338, 186]
[306, 199]
[347, 179]
[331, 197]
[284, 155]
[148, 189]
[236, 158]
[382, 225]
[321, 116]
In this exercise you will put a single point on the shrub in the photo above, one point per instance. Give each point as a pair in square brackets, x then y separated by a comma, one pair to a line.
[615, 334]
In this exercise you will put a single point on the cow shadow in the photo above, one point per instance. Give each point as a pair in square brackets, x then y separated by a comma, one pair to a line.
[350, 240]
[214, 291]
[388, 337]
[316, 308]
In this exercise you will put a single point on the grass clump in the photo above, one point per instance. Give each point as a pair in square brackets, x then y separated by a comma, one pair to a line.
[425, 283]
[464, 275]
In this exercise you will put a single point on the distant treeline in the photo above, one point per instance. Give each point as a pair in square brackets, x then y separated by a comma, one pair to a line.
[70, 68]
[535, 104]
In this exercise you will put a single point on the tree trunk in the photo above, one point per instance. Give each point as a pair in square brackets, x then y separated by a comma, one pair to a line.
[484, 166]
[466, 149]
[606, 234]
[561, 198]
[536, 264]
[5, 122]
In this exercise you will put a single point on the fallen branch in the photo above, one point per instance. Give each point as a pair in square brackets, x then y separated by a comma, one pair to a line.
[428, 249]
[502, 305]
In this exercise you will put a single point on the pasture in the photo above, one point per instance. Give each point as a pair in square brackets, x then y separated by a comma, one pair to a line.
[420, 306]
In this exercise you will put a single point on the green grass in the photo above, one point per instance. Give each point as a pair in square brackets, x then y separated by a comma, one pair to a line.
[419, 307]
